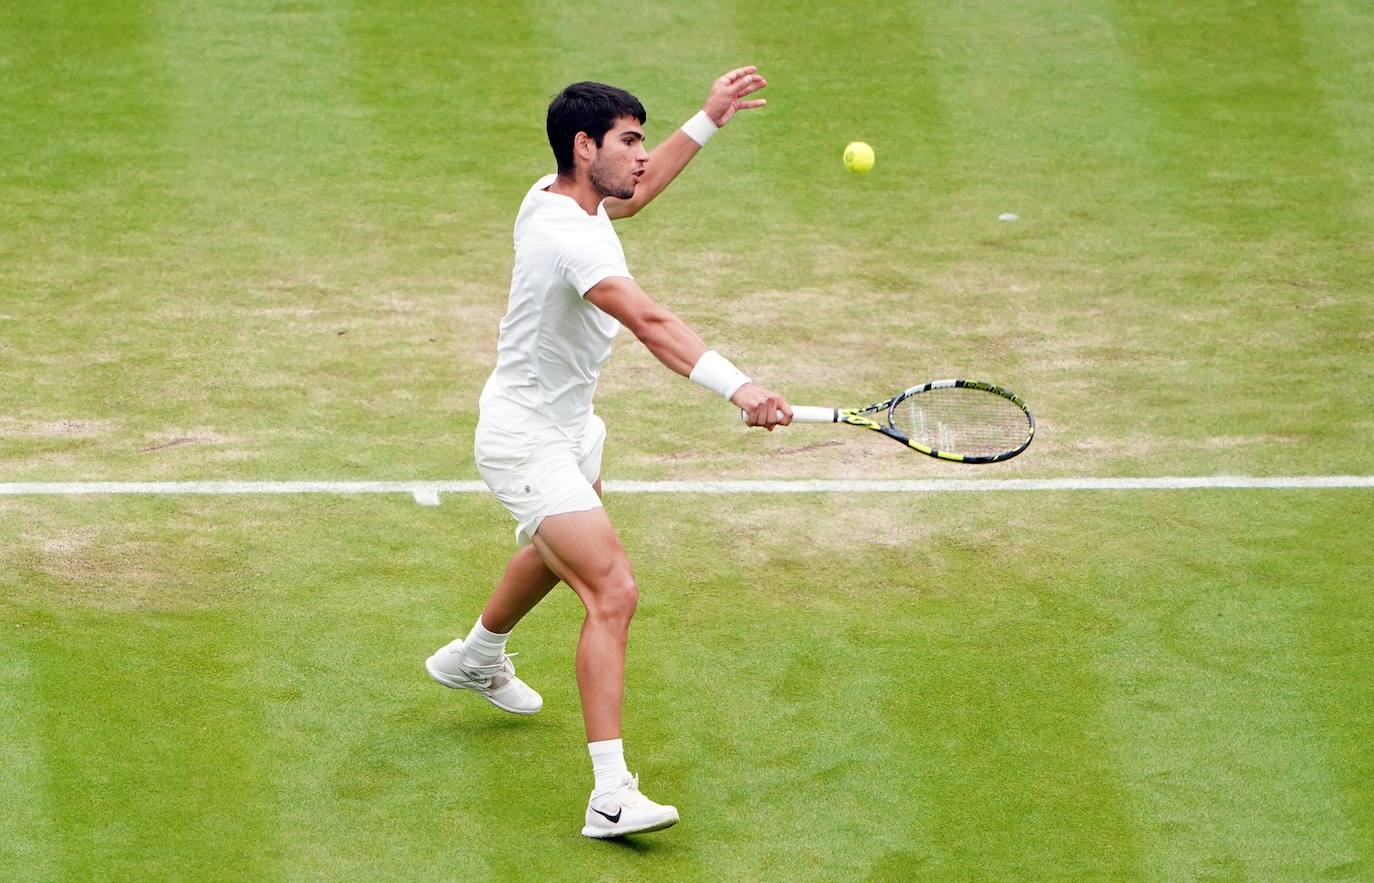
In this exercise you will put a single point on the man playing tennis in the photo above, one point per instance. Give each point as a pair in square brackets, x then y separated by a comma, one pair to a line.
[538, 443]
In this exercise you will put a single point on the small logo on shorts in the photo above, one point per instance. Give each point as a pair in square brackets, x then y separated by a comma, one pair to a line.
[527, 489]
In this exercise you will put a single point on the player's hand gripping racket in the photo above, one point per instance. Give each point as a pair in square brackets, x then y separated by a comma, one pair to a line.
[965, 421]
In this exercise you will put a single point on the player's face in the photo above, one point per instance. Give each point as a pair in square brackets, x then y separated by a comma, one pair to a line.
[620, 161]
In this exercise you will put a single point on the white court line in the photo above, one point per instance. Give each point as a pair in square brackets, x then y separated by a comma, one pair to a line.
[426, 493]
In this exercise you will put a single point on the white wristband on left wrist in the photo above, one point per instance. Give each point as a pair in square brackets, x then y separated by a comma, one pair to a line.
[699, 128]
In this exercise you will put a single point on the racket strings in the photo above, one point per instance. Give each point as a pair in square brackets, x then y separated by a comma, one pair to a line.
[959, 420]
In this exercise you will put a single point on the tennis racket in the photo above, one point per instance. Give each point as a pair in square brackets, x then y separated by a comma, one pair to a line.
[965, 421]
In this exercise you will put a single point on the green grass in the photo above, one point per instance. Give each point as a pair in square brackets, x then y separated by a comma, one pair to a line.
[259, 239]
[1177, 693]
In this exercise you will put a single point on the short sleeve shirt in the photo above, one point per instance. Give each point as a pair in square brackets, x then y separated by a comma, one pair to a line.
[553, 342]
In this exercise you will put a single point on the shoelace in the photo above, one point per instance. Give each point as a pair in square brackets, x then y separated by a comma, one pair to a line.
[484, 675]
[629, 795]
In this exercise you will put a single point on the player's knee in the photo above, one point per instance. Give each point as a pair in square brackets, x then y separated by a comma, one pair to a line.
[616, 601]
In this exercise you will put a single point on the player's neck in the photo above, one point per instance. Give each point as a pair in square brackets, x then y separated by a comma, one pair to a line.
[578, 188]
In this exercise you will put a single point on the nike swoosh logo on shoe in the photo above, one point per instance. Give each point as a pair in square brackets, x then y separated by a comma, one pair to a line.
[613, 819]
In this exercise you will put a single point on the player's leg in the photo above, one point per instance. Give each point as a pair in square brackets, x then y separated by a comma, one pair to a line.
[524, 584]
[526, 581]
[510, 464]
[583, 549]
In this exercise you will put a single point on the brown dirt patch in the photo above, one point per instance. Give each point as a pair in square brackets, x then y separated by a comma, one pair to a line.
[62, 428]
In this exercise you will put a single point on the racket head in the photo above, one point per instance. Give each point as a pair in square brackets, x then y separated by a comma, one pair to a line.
[963, 421]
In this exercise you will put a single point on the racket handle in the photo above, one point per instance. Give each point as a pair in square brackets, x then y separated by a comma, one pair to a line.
[805, 414]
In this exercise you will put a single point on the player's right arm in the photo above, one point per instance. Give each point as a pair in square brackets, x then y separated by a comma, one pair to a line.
[677, 346]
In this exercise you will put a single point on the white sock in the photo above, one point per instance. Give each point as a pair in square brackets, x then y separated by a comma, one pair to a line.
[608, 764]
[483, 647]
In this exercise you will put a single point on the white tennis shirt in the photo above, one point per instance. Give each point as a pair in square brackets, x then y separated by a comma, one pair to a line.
[553, 342]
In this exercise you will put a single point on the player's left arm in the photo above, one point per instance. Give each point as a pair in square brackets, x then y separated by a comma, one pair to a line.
[727, 97]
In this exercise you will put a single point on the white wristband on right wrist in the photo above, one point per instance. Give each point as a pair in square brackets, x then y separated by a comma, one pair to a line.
[716, 373]
[699, 128]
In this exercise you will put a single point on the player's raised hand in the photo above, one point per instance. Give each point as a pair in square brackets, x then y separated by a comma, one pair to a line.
[762, 407]
[728, 92]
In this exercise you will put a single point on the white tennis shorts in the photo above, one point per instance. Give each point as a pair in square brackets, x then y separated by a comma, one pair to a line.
[543, 473]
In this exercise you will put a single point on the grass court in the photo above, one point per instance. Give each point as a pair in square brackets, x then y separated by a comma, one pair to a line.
[256, 240]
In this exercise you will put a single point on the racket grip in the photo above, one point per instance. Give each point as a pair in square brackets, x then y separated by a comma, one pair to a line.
[805, 414]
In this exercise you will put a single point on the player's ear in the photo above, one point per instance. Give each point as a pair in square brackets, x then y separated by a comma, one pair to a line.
[583, 145]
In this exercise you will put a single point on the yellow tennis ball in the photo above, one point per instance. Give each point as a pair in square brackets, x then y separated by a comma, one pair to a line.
[858, 157]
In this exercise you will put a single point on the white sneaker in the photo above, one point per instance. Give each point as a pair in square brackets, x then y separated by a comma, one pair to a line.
[495, 682]
[623, 810]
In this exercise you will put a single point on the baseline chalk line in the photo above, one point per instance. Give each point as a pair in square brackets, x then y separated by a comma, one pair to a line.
[427, 493]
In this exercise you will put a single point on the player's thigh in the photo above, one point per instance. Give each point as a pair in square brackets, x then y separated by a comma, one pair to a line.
[585, 551]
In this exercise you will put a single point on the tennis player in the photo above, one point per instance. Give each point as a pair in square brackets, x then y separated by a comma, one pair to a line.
[538, 442]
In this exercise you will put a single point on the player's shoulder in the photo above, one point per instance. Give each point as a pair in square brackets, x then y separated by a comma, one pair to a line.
[536, 199]
[540, 186]
[542, 207]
